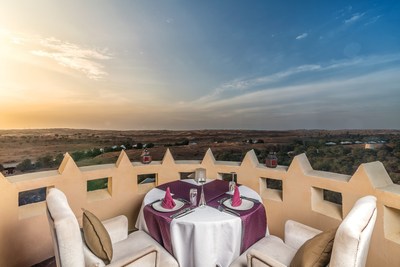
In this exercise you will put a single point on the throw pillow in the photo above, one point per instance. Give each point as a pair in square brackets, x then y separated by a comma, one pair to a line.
[315, 252]
[96, 237]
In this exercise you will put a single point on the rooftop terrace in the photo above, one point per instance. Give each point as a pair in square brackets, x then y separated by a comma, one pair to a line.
[301, 198]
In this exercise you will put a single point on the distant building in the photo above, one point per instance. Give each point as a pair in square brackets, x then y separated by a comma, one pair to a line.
[373, 146]
[346, 143]
[9, 168]
[330, 144]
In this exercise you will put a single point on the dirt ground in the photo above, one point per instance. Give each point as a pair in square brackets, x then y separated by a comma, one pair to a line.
[17, 145]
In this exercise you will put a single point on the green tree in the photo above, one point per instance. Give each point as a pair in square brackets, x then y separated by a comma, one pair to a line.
[93, 153]
[45, 162]
[25, 165]
[230, 156]
[58, 159]
[78, 155]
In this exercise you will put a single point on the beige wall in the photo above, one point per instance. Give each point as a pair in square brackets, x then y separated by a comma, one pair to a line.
[24, 230]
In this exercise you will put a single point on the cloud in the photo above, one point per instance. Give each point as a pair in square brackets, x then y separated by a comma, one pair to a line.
[263, 80]
[241, 87]
[302, 36]
[70, 55]
[242, 84]
[373, 20]
[73, 56]
[348, 95]
[354, 18]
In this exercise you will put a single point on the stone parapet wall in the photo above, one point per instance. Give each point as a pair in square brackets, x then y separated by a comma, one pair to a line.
[24, 229]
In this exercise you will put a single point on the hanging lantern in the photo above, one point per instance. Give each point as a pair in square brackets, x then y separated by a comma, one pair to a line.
[271, 160]
[146, 157]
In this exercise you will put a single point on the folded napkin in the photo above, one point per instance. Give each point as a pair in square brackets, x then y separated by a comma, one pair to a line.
[168, 202]
[236, 200]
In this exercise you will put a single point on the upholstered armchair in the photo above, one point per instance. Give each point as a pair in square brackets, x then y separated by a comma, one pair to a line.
[350, 243]
[70, 249]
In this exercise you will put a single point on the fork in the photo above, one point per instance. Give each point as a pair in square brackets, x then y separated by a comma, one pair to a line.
[222, 200]
[179, 213]
[232, 212]
[183, 200]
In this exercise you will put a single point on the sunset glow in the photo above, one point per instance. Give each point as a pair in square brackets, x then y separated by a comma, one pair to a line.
[195, 65]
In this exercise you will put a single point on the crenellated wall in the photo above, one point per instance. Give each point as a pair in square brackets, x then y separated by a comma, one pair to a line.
[24, 230]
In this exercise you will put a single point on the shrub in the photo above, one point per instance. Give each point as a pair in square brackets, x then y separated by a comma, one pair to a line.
[25, 165]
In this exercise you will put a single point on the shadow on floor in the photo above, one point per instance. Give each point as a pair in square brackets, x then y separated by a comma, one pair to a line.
[47, 263]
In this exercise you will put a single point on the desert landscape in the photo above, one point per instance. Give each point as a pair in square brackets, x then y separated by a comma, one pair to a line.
[44, 148]
[17, 145]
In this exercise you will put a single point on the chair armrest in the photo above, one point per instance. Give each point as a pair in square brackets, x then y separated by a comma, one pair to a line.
[147, 257]
[117, 228]
[297, 233]
[256, 258]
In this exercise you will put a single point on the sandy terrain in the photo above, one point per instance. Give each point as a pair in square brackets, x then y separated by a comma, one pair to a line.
[17, 145]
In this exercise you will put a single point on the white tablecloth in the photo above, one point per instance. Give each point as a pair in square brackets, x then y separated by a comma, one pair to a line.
[205, 237]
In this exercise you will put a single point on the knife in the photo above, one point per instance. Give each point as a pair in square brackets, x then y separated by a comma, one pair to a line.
[231, 212]
[184, 214]
[179, 213]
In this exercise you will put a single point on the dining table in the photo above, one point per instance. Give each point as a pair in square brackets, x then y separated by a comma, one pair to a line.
[211, 235]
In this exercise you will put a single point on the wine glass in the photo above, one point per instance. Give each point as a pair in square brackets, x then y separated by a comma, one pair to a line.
[202, 181]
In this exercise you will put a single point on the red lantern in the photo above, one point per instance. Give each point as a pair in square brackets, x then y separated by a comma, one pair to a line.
[146, 158]
[271, 160]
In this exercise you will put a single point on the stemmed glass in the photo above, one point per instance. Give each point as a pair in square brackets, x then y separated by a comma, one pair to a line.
[232, 183]
[202, 201]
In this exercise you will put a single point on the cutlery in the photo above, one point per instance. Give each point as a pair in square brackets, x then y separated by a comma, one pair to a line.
[183, 200]
[222, 200]
[155, 201]
[232, 212]
[184, 214]
[251, 199]
[179, 213]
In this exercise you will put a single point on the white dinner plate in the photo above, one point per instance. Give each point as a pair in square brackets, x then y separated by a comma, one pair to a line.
[246, 204]
[178, 204]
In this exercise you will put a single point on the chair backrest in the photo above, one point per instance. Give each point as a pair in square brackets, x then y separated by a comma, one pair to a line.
[67, 239]
[353, 236]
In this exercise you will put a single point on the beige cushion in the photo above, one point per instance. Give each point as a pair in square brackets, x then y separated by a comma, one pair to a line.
[316, 251]
[96, 237]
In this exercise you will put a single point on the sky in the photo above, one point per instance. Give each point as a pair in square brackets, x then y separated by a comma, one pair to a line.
[179, 65]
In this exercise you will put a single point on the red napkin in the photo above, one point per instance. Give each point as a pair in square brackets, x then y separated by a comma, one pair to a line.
[236, 200]
[168, 202]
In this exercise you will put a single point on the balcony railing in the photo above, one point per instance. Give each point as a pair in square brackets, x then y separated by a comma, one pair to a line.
[299, 196]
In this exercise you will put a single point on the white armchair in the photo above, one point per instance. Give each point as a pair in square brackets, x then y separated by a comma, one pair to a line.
[350, 247]
[136, 249]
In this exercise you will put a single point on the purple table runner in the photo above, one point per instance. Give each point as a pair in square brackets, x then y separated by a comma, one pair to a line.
[254, 222]
[158, 223]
